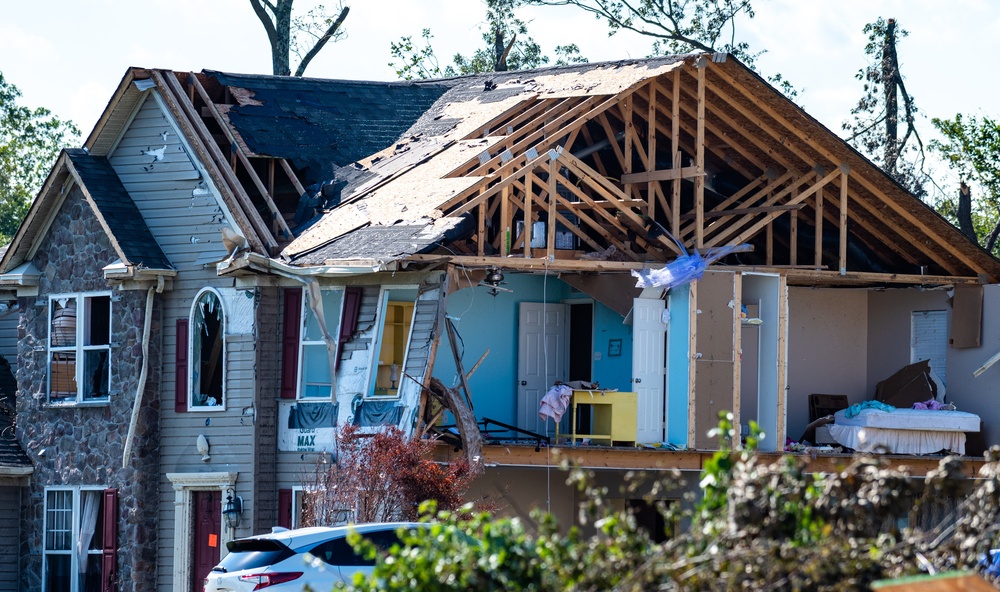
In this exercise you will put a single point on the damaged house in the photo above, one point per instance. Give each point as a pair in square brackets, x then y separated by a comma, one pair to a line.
[237, 265]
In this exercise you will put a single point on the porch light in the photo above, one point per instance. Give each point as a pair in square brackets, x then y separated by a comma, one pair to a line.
[232, 511]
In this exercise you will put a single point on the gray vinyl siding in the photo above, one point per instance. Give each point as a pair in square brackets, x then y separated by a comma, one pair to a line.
[10, 512]
[188, 229]
[8, 336]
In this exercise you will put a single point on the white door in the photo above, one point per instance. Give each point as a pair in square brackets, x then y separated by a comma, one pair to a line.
[542, 359]
[649, 367]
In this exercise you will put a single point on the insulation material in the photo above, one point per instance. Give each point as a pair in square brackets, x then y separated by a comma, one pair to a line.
[240, 307]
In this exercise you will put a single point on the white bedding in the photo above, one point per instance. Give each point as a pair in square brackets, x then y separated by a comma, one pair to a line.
[911, 419]
[904, 431]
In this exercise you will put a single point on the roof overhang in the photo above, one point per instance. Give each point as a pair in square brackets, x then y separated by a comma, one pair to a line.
[120, 270]
[22, 276]
[252, 262]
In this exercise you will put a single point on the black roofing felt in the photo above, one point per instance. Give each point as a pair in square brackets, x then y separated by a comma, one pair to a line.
[385, 242]
[318, 122]
[11, 453]
[120, 212]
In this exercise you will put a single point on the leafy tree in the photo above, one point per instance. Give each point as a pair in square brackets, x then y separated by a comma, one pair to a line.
[506, 46]
[30, 140]
[884, 120]
[757, 526]
[675, 26]
[971, 147]
[380, 477]
[302, 36]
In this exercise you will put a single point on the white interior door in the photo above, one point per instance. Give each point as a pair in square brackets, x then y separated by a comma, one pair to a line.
[542, 359]
[649, 367]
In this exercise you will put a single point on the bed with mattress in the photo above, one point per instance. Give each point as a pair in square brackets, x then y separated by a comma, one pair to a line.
[903, 431]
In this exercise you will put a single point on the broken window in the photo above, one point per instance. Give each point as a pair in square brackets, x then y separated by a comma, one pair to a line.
[396, 319]
[315, 372]
[208, 352]
[79, 329]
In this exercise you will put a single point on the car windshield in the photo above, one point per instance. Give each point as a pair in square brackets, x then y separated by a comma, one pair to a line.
[253, 554]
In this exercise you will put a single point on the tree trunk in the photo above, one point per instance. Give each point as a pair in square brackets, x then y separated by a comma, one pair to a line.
[965, 212]
[890, 70]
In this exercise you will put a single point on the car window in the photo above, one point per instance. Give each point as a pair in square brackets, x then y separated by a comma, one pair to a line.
[339, 551]
[253, 554]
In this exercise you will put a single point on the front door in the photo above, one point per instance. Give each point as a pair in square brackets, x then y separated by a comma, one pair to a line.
[207, 531]
[648, 367]
[542, 359]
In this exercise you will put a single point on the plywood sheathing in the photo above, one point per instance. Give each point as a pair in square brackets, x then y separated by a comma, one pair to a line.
[417, 194]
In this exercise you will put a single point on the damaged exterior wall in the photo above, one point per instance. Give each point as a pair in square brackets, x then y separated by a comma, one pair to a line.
[84, 444]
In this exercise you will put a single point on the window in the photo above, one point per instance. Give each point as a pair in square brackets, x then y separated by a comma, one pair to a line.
[929, 340]
[70, 341]
[74, 539]
[208, 352]
[396, 314]
[315, 372]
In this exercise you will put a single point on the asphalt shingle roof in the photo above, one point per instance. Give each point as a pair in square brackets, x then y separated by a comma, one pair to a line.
[119, 211]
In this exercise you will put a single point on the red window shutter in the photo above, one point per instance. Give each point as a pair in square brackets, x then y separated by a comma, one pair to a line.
[349, 320]
[109, 555]
[285, 508]
[292, 324]
[181, 374]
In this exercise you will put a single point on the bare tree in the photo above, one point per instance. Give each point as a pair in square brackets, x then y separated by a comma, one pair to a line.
[302, 36]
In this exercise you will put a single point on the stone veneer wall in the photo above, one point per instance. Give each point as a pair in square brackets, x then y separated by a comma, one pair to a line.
[84, 445]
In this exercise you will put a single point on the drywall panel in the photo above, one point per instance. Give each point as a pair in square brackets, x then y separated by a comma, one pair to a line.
[890, 314]
[827, 348]
[980, 394]
[716, 357]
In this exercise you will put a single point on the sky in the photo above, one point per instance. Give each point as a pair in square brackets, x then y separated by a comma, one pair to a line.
[70, 55]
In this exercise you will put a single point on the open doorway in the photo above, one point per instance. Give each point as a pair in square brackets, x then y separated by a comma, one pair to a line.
[581, 340]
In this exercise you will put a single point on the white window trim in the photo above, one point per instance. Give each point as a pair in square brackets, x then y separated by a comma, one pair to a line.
[184, 484]
[383, 303]
[77, 490]
[192, 360]
[305, 310]
[79, 349]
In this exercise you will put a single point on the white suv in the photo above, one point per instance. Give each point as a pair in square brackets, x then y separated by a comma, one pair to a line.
[291, 559]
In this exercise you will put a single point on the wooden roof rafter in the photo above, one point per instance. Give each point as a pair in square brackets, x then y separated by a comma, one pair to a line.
[886, 205]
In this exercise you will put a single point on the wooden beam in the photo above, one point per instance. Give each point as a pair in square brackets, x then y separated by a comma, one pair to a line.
[511, 117]
[663, 175]
[651, 146]
[742, 211]
[818, 227]
[292, 176]
[737, 355]
[675, 155]
[505, 222]
[276, 215]
[699, 159]
[793, 237]
[526, 231]
[608, 217]
[550, 240]
[494, 189]
[530, 264]
[844, 172]
[626, 108]
[212, 158]
[481, 229]
[899, 209]
[782, 362]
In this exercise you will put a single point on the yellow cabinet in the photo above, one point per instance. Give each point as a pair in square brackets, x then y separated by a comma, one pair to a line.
[613, 415]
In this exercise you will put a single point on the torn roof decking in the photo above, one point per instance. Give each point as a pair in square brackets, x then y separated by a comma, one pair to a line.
[751, 131]
[417, 194]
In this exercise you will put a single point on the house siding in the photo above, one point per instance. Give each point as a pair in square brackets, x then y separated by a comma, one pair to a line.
[84, 445]
[10, 512]
[186, 218]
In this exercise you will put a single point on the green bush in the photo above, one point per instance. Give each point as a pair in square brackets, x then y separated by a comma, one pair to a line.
[756, 526]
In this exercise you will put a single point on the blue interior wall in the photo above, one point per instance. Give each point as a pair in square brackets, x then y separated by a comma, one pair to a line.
[486, 322]
[678, 364]
[612, 372]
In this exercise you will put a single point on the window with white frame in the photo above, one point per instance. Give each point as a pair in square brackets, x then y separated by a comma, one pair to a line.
[79, 348]
[929, 340]
[315, 370]
[395, 320]
[73, 540]
[208, 352]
